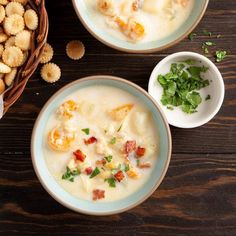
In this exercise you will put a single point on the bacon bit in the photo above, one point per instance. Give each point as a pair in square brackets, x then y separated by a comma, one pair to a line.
[101, 162]
[119, 175]
[90, 140]
[79, 155]
[144, 165]
[89, 170]
[130, 146]
[98, 194]
[140, 151]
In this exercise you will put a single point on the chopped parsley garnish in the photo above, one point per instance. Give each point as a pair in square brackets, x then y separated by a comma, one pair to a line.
[207, 33]
[70, 174]
[138, 162]
[192, 36]
[108, 158]
[126, 168]
[189, 61]
[205, 49]
[209, 43]
[220, 55]
[180, 85]
[113, 140]
[86, 131]
[208, 97]
[95, 173]
[119, 129]
[170, 108]
[111, 182]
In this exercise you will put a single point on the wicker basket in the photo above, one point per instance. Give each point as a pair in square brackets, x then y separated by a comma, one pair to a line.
[39, 38]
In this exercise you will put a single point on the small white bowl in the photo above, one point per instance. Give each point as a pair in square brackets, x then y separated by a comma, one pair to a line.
[207, 109]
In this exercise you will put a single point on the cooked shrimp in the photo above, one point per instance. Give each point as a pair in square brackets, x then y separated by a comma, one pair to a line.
[133, 29]
[130, 6]
[106, 7]
[60, 140]
[67, 109]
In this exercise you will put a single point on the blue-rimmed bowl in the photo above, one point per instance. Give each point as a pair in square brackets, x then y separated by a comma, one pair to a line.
[191, 22]
[100, 208]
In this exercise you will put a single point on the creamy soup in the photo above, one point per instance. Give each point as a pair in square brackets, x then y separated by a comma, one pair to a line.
[139, 20]
[101, 144]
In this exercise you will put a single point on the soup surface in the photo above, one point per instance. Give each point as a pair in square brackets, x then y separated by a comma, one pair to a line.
[101, 144]
[139, 20]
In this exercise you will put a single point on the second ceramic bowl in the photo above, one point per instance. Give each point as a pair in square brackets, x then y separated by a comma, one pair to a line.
[196, 15]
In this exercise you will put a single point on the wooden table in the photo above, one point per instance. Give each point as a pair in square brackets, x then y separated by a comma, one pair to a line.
[198, 194]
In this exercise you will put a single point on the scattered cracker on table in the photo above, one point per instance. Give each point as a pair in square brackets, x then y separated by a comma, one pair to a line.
[23, 40]
[75, 50]
[47, 54]
[14, 8]
[31, 19]
[9, 78]
[50, 72]
[12, 56]
[13, 24]
[4, 68]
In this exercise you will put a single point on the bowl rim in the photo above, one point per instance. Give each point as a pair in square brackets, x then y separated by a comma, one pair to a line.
[218, 77]
[34, 156]
[156, 49]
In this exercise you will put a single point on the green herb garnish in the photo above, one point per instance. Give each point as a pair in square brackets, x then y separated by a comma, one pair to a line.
[205, 49]
[207, 33]
[94, 173]
[70, 174]
[138, 162]
[86, 131]
[209, 43]
[111, 182]
[170, 108]
[189, 61]
[180, 87]
[125, 168]
[220, 55]
[113, 140]
[208, 97]
[192, 36]
[119, 129]
[108, 158]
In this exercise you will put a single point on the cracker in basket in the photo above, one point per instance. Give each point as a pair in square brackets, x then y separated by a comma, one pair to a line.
[10, 42]
[12, 56]
[2, 13]
[14, 8]
[9, 78]
[3, 37]
[1, 50]
[75, 49]
[4, 68]
[31, 19]
[2, 86]
[4, 2]
[23, 40]
[25, 57]
[47, 54]
[50, 72]
[23, 2]
[14, 24]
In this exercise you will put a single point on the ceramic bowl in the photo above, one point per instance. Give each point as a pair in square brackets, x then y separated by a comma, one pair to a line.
[196, 15]
[207, 109]
[90, 207]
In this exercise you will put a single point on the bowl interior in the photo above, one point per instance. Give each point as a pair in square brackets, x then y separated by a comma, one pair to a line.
[84, 14]
[207, 109]
[89, 207]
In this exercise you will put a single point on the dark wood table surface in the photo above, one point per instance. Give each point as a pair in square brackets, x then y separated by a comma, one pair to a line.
[198, 194]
